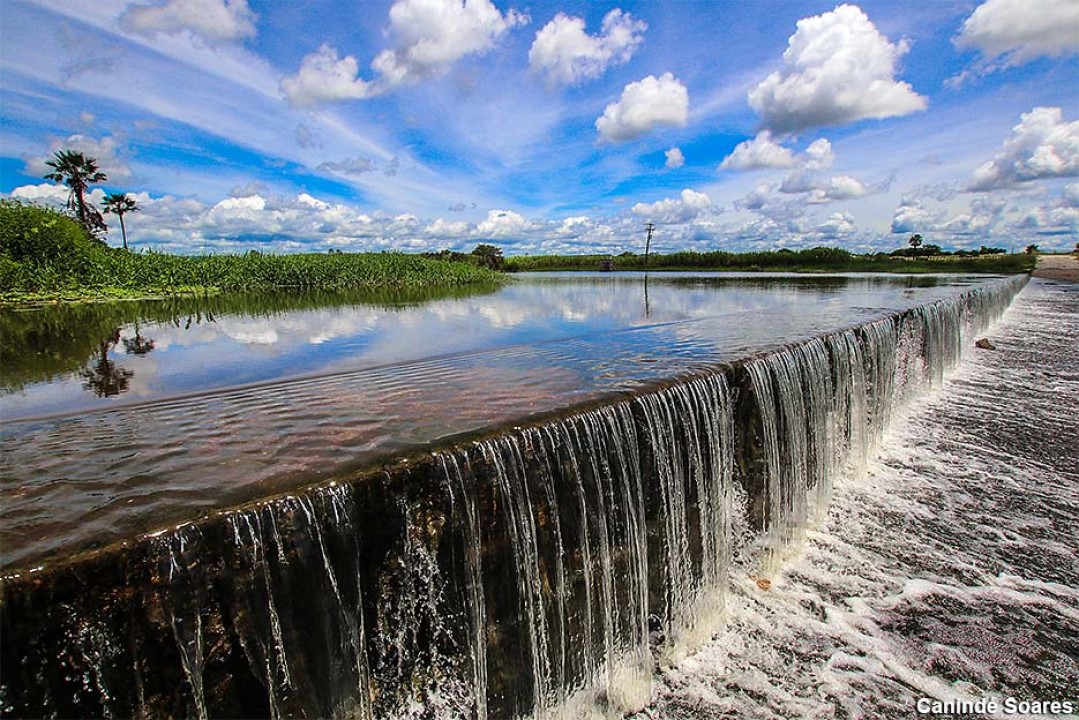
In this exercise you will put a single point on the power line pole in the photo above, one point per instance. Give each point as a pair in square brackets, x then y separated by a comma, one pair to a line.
[650, 227]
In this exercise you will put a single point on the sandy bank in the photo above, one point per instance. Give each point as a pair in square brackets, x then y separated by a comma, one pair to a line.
[1058, 267]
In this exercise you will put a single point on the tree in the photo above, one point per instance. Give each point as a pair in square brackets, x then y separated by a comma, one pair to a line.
[119, 204]
[915, 241]
[79, 172]
[489, 256]
[1032, 250]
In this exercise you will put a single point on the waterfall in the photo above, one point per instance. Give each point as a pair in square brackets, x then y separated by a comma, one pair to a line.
[539, 571]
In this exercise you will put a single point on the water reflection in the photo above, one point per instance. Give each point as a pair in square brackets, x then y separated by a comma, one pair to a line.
[54, 342]
[103, 377]
[63, 359]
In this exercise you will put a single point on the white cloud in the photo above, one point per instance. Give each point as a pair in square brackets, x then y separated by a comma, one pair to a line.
[214, 21]
[433, 34]
[840, 187]
[758, 153]
[430, 36]
[645, 105]
[675, 158]
[448, 229]
[53, 195]
[1020, 30]
[1042, 146]
[502, 223]
[818, 155]
[762, 152]
[836, 225]
[675, 210]
[838, 68]
[756, 199]
[105, 151]
[568, 55]
[323, 77]
[912, 216]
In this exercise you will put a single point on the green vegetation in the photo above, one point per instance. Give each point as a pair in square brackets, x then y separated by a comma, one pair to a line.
[819, 259]
[45, 254]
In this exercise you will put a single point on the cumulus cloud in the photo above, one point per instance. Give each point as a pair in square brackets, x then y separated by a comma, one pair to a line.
[818, 155]
[502, 223]
[840, 187]
[837, 225]
[912, 216]
[53, 195]
[822, 189]
[1004, 220]
[758, 153]
[762, 152]
[838, 68]
[1056, 217]
[675, 210]
[675, 158]
[1042, 146]
[568, 55]
[646, 104]
[1017, 31]
[105, 150]
[431, 35]
[325, 77]
[214, 21]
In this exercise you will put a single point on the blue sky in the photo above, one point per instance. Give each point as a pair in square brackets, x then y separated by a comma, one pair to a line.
[554, 127]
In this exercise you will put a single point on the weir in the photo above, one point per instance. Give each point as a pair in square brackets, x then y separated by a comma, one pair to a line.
[541, 570]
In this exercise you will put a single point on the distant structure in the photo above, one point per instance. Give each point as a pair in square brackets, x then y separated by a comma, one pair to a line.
[650, 227]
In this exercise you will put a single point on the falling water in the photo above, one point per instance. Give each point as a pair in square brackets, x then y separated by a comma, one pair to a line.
[540, 571]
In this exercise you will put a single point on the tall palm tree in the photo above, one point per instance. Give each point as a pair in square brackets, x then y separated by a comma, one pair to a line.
[119, 204]
[78, 172]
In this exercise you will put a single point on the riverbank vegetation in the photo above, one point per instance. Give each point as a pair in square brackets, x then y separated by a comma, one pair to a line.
[819, 259]
[45, 254]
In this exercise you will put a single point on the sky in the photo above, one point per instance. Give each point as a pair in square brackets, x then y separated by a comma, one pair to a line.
[553, 127]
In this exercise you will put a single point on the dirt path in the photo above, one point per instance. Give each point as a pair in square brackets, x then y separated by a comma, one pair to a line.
[1058, 267]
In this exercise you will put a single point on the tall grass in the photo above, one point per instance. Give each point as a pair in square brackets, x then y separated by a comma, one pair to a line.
[43, 251]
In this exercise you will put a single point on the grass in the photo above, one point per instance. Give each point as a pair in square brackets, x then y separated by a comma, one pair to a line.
[818, 259]
[45, 255]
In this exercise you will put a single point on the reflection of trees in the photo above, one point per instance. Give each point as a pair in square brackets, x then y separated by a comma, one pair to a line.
[56, 340]
[138, 345]
[104, 377]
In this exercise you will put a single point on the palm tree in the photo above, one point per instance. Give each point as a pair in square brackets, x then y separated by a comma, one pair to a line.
[78, 172]
[119, 204]
[104, 377]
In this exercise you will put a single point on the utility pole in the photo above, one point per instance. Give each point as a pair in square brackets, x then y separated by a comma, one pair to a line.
[650, 227]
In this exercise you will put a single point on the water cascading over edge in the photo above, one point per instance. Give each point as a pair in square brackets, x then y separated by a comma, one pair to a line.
[541, 571]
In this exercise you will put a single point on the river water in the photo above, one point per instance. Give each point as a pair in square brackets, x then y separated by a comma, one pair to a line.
[122, 418]
[949, 573]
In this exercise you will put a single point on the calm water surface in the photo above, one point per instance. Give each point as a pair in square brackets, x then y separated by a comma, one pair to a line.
[123, 418]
